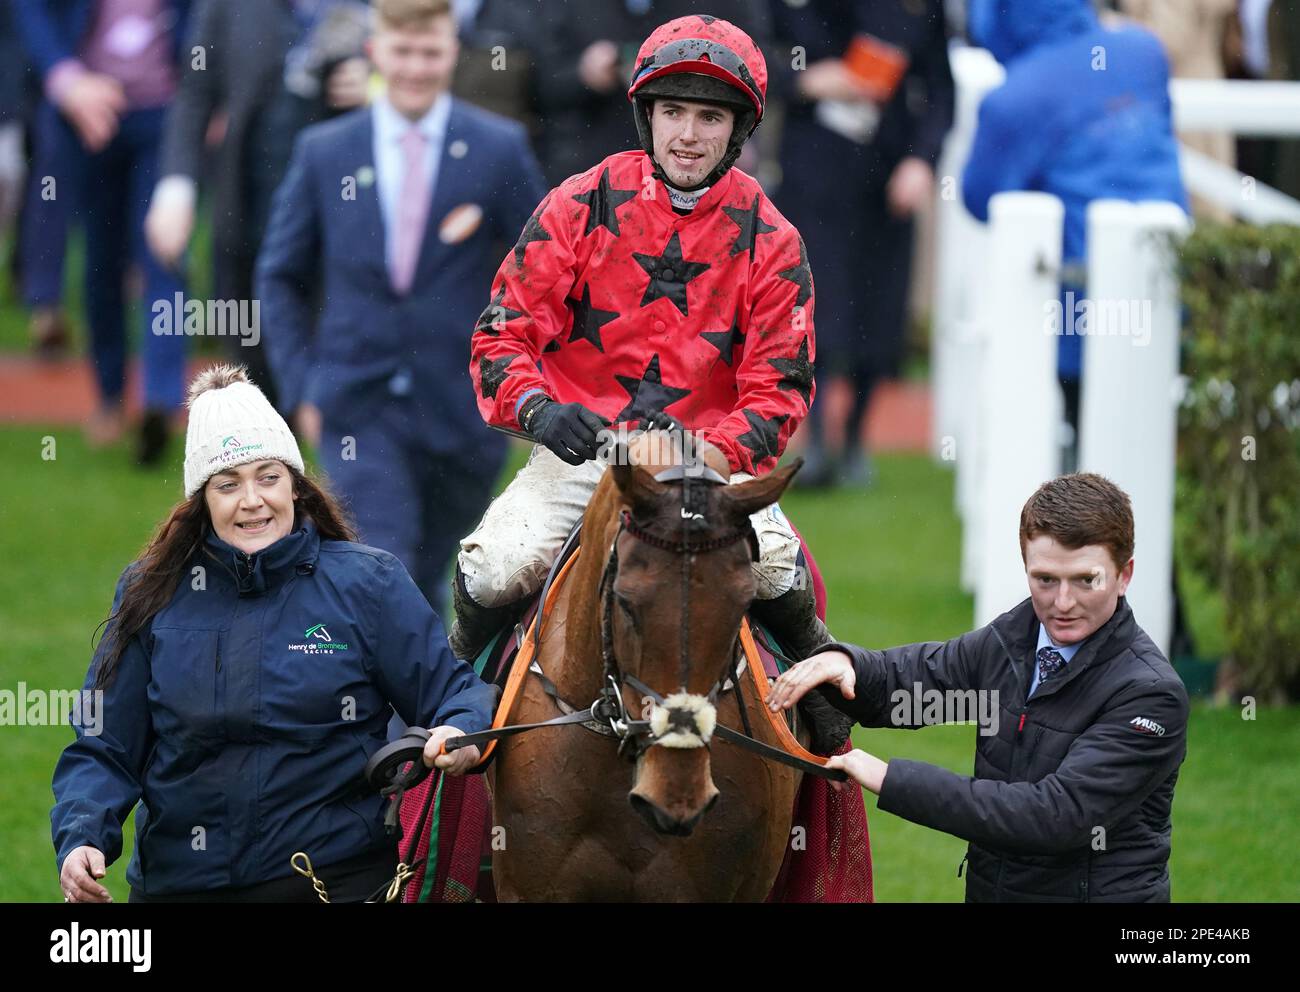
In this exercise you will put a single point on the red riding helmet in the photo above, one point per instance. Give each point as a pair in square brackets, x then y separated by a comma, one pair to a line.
[701, 58]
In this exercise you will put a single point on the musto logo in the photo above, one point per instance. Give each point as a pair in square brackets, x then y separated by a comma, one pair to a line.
[1145, 725]
[318, 641]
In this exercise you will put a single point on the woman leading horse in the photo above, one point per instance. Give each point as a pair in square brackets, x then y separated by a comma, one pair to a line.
[246, 674]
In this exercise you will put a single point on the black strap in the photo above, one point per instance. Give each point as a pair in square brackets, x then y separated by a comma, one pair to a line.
[740, 705]
[777, 755]
[498, 733]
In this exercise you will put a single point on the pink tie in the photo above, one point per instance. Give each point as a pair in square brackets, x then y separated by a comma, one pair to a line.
[412, 212]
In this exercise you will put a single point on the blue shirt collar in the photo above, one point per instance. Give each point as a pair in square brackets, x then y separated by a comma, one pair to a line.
[1066, 651]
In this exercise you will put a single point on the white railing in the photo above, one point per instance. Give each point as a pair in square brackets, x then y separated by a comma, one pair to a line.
[996, 400]
[1128, 417]
[1019, 401]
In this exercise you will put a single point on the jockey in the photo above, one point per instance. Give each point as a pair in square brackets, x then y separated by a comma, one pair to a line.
[659, 288]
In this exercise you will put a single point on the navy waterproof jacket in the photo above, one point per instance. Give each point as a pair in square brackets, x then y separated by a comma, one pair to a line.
[1074, 785]
[242, 718]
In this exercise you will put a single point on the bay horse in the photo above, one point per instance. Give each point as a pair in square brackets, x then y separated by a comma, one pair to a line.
[583, 822]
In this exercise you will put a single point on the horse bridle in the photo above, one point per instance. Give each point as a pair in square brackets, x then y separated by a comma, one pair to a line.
[681, 719]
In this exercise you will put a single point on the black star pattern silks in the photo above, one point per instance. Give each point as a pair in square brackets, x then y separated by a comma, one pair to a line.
[761, 439]
[496, 314]
[796, 373]
[726, 341]
[751, 226]
[648, 394]
[533, 231]
[603, 204]
[492, 374]
[587, 320]
[800, 275]
[669, 274]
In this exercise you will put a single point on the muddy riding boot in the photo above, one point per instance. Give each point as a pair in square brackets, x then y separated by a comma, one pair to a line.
[792, 619]
[475, 625]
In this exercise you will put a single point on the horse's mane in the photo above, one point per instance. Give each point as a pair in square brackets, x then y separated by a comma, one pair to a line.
[658, 450]
[653, 452]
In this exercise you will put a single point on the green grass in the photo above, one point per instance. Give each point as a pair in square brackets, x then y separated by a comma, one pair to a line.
[13, 315]
[890, 558]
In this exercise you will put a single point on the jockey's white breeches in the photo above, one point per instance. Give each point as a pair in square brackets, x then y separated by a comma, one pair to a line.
[510, 552]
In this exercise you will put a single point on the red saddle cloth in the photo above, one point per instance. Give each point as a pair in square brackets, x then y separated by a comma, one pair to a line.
[828, 859]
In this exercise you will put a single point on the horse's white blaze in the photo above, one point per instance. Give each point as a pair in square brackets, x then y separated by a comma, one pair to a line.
[703, 718]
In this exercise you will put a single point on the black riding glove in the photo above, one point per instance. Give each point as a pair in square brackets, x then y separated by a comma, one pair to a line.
[568, 429]
[661, 421]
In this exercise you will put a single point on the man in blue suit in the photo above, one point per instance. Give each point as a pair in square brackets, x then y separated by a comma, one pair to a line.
[391, 217]
[109, 68]
[1098, 100]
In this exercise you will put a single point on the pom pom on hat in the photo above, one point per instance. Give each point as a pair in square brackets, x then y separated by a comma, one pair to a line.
[232, 423]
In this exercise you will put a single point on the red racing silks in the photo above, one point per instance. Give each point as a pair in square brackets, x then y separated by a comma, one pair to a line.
[611, 299]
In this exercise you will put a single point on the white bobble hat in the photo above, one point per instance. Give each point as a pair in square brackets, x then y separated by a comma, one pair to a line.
[232, 423]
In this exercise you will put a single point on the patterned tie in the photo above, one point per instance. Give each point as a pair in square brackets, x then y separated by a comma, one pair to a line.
[412, 211]
[1049, 663]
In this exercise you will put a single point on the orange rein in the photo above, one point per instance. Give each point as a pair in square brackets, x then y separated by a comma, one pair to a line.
[524, 657]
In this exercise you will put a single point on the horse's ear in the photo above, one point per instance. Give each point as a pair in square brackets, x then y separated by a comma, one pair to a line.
[751, 496]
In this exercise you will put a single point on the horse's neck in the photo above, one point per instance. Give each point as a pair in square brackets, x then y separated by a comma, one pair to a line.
[576, 660]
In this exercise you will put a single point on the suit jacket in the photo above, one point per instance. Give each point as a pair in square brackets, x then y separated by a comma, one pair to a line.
[52, 29]
[13, 68]
[245, 43]
[368, 344]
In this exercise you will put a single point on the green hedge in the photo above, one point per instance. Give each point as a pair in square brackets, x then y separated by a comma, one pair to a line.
[1239, 442]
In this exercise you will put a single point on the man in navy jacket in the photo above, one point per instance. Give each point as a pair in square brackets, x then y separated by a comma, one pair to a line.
[394, 213]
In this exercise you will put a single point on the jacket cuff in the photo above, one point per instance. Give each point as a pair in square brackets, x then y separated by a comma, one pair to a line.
[899, 789]
[177, 190]
[61, 77]
[523, 403]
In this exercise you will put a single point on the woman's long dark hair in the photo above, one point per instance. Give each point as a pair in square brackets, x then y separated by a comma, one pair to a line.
[159, 569]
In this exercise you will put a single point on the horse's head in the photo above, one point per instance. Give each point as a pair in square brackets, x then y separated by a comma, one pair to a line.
[679, 579]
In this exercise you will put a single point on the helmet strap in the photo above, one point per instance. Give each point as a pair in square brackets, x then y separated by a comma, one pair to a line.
[744, 121]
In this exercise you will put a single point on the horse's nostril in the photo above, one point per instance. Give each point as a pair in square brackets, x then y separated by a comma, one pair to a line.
[660, 822]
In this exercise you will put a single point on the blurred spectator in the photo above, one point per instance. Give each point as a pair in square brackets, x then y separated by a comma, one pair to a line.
[403, 253]
[584, 55]
[1194, 34]
[1269, 48]
[110, 68]
[495, 69]
[869, 101]
[1098, 100]
[37, 249]
[12, 106]
[261, 71]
